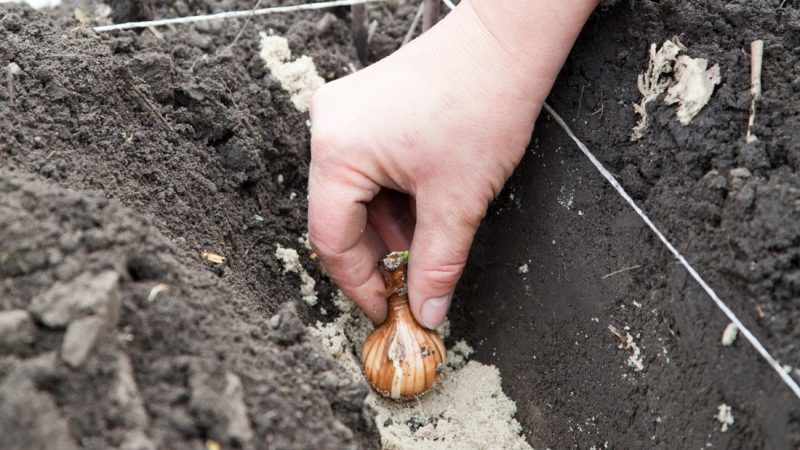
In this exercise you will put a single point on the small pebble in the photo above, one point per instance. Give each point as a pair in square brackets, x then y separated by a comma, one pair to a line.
[729, 335]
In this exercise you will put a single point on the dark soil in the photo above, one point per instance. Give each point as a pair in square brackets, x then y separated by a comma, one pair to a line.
[126, 155]
[547, 330]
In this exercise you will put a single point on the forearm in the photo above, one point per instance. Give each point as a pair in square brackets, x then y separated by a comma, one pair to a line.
[520, 43]
[535, 33]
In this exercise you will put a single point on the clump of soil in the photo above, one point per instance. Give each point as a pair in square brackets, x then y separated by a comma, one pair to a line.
[92, 358]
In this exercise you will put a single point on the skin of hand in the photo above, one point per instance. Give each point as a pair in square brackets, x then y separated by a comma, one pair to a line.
[408, 152]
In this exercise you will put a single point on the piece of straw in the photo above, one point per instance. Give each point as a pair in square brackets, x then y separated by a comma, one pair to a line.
[756, 59]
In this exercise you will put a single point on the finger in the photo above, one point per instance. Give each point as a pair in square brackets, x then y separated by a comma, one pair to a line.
[339, 233]
[442, 239]
[388, 213]
[356, 273]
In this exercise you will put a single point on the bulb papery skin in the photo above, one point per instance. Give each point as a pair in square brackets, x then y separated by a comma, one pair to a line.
[401, 358]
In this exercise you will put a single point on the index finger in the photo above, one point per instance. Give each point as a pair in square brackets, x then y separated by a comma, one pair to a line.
[347, 245]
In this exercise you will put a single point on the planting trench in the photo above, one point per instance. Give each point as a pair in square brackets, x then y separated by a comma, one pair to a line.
[125, 155]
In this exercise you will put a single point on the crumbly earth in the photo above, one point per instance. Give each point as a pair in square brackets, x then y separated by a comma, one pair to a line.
[126, 155]
[93, 358]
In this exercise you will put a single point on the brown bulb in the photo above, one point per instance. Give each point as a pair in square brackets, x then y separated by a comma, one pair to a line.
[401, 358]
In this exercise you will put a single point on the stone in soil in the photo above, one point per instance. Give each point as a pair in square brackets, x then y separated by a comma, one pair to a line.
[86, 294]
[17, 330]
[80, 339]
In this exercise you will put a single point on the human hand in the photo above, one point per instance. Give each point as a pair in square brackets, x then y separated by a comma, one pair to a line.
[408, 153]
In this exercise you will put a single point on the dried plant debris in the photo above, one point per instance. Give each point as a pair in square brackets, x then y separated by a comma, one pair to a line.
[212, 257]
[654, 81]
[756, 61]
[687, 81]
[693, 88]
[446, 417]
[724, 416]
[299, 77]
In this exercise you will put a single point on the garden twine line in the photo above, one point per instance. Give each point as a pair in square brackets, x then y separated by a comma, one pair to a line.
[233, 14]
[725, 309]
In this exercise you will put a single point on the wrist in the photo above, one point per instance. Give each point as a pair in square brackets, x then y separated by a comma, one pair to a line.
[533, 37]
[460, 54]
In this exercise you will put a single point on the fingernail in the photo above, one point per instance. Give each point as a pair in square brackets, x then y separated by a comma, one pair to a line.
[434, 310]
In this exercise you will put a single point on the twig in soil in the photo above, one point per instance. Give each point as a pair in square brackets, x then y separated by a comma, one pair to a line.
[760, 312]
[669, 328]
[615, 331]
[232, 14]
[358, 15]
[430, 14]
[156, 33]
[145, 103]
[580, 101]
[371, 30]
[256, 242]
[756, 58]
[751, 338]
[241, 30]
[11, 70]
[601, 109]
[617, 272]
[203, 58]
[414, 23]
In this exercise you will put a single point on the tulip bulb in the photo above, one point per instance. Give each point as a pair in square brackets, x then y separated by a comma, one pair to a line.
[401, 358]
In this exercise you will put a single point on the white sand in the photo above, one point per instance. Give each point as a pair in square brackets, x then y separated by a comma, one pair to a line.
[291, 264]
[298, 77]
[466, 409]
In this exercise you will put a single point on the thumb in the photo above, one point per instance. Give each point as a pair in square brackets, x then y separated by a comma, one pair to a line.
[439, 249]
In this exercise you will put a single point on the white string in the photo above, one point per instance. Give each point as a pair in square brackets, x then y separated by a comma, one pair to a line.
[725, 309]
[233, 14]
[449, 4]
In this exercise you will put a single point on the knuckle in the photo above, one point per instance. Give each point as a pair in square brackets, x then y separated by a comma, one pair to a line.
[443, 276]
[324, 138]
[471, 213]
[320, 243]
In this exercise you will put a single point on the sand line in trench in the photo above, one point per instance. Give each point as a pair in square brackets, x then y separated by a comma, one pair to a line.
[772, 361]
